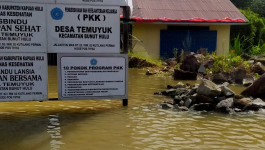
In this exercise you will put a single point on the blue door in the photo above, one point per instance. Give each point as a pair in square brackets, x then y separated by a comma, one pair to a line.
[188, 40]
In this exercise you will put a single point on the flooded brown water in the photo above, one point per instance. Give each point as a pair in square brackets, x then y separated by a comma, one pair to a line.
[106, 125]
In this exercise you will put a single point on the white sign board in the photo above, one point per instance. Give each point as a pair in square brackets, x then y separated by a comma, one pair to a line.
[22, 27]
[83, 29]
[95, 2]
[23, 76]
[92, 77]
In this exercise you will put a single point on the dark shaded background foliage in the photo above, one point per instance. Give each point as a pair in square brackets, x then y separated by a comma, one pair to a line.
[252, 35]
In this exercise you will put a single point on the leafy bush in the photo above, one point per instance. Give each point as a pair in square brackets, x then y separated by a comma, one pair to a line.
[227, 63]
[251, 34]
[258, 49]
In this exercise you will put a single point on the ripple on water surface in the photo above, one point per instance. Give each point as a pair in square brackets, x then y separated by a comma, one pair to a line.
[142, 125]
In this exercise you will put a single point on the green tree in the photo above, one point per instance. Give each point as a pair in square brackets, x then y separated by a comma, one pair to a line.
[251, 34]
[258, 6]
[242, 4]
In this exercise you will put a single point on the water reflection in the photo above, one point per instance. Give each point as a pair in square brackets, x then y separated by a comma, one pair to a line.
[84, 125]
[54, 130]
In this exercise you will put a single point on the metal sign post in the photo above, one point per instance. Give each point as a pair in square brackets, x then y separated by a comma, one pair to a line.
[126, 16]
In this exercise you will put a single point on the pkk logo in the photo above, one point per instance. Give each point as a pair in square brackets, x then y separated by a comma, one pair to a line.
[56, 13]
[93, 62]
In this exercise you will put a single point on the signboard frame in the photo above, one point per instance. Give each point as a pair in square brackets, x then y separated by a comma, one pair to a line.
[94, 32]
[59, 73]
[21, 30]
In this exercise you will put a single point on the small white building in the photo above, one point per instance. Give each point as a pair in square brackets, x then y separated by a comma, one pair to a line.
[160, 26]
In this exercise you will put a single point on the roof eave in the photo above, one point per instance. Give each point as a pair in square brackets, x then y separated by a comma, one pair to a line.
[191, 23]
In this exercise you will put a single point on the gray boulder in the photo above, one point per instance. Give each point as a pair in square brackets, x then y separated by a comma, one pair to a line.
[258, 68]
[191, 92]
[181, 103]
[252, 107]
[190, 64]
[170, 93]
[225, 106]
[181, 108]
[151, 72]
[222, 77]
[227, 92]
[259, 102]
[243, 102]
[248, 80]
[202, 69]
[208, 89]
[203, 107]
[187, 102]
[179, 85]
[204, 99]
[238, 75]
[257, 89]
[166, 106]
[177, 99]
[219, 99]
[184, 75]
[194, 97]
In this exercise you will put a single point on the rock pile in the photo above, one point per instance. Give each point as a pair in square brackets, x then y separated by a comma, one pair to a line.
[207, 96]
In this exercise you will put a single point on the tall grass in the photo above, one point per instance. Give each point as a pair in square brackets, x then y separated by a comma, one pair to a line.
[236, 47]
[258, 49]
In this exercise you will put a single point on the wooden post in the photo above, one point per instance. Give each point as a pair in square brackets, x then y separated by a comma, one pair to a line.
[126, 18]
